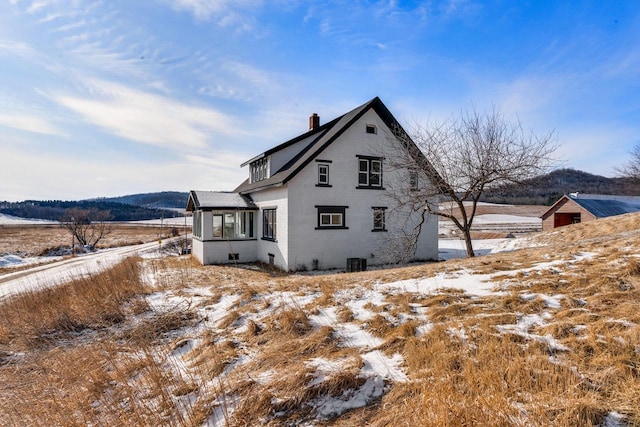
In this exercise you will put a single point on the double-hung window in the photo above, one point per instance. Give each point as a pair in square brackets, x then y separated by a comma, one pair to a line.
[323, 175]
[379, 223]
[269, 224]
[331, 217]
[413, 180]
[369, 172]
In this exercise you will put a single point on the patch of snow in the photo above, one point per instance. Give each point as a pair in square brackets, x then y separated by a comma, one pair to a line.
[266, 377]
[614, 419]
[549, 301]
[14, 220]
[356, 303]
[325, 368]
[377, 364]
[329, 406]
[506, 219]
[351, 335]
[423, 330]
[377, 369]
[474, 284]
[525, 323]
[10, 260]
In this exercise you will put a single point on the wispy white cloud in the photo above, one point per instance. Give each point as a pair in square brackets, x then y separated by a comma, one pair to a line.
[36, 6]
[72, 175]
[145, 117]
[29, 124]
[240, 81]
[238, 14]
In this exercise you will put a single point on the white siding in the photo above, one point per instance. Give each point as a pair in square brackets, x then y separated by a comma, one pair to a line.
[208, 251]
[331, 248]
[273, 198]
[217, 252]
[298, 244]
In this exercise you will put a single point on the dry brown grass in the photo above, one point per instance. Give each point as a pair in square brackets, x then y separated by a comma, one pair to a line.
[33, 240]
[240, 345]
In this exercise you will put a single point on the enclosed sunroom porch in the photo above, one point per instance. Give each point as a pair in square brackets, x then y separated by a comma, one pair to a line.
[224, 227]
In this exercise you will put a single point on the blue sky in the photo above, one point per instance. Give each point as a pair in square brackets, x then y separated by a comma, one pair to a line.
[106, 98]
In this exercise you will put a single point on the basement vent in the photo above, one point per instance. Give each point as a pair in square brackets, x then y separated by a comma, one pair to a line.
[356, 264]
[234, 257]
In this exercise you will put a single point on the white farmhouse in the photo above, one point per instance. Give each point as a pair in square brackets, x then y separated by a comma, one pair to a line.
[321, 200]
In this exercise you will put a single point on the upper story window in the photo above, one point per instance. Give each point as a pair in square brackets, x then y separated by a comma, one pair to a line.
[258, 170]
[369, 172]
[323, 174]
[371, 129]
[413, 180]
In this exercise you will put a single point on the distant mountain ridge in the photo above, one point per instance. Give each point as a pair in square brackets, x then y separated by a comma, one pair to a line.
[158, 200]
[136, 207]
[542, 190]
[547, 189]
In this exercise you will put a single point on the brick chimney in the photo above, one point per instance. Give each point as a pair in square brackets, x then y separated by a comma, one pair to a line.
[314, 121]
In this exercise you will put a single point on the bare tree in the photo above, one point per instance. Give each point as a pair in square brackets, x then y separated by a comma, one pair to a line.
[457, 160]
[87, 226]
[631, 169]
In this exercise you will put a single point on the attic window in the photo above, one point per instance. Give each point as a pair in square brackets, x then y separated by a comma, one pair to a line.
[372, 129]
[258, 170]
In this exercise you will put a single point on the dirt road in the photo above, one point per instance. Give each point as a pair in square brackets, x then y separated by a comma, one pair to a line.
[43, 276]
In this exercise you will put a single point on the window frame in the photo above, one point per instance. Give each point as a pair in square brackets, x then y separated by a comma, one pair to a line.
[331, 212]
[269, 224]
[371, 129]
[414, 180]
[197, 224]
[379, 212]
[323, 182]
[217, 230]
[259, 170]
[232, 225]
[368, 172]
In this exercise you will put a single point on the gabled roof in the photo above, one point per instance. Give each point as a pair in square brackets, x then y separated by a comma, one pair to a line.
[210, 200]
[600, 205]
[324, 136]
[602, 208]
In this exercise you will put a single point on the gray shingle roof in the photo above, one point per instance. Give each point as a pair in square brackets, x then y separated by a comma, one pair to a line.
[218, 200]
[326, 134]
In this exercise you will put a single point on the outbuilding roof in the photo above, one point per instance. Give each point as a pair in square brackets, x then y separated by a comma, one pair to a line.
[210, 200]
[600, 205]
[602, 208]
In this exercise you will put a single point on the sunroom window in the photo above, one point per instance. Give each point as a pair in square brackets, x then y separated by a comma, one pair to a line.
[233, 225]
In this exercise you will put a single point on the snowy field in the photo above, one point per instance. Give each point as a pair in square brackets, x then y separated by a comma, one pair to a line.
[549, 306]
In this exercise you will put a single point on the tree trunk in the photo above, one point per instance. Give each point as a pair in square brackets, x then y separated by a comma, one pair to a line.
[467, 241]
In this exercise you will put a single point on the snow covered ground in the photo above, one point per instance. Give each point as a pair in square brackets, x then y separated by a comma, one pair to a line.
[361, 347]
[14, 220]
[64, 269]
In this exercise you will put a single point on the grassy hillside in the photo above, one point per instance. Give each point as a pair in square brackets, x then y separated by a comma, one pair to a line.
[544, 335]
